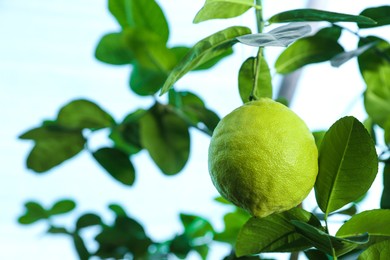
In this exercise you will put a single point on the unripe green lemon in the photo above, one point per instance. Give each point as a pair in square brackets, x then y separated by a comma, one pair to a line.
[263, 158]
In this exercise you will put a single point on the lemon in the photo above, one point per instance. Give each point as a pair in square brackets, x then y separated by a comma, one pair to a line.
[263, 158]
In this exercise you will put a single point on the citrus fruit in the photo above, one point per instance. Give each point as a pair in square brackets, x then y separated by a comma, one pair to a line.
[263, 158]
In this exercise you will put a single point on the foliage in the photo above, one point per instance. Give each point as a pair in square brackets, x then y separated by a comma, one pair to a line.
[348, 162]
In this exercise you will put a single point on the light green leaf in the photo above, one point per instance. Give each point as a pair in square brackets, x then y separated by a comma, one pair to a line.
[145, 14]
[312, 15]
[117, 164]
[274, 233]
[379, 251]
[62, 207]
[348, 164]
[254, 78]
[375, 69]
[113, 49]
[385, 198]
[321, 47]
[146, 81]
[204, 51]
[318, 137]
[326, 243]
[374, 222]
[165, 136]
[217, 9]
[195, 226]
[380, 14]
[82, 113]
[234, 221]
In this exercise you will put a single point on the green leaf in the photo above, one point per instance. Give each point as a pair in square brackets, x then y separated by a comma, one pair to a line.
[58, 230]
[80, 247]
[379, 251]
[62, 207]
[318, 137]
[318, 48]
[165, 136]
[219, 9]
[380, 14]
[34, 212]
[326, 243]
[88, 220]
[374, 222]
[53, 145]
[195, 226]
[82, 113]
[145, 14]
[274, 233]
[204, 51]
[233, 221]
[385, 198]
[348, 164]
[180, 246]
[312, 15]
[117, 209]
[314, 254]
[145, 81]
[117, 164]
[113, 49]
[281, 36]
[375, 68]
[254, 78]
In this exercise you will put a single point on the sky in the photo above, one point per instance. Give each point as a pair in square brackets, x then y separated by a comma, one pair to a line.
[46, 60]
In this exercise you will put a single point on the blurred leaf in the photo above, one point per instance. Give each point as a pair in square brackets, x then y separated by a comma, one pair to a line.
[375, 69]
[274, 233]
[126, 136]
[348, 165]
[202, 250]
[326, 243]
[222, 200]
[369, 125]
[318, 48]
[213, 61]
[195, 227]
[218, 9]
[318, 137]
[113, 49]
[343, 57]
[374, 222]
[233, 221]
[380, 14]
[80, 247]
[82, 113]
[312, 15]
[53, 145]
[203, 51]
[88, 220]
[34, 212]
[166, 137]
[145, 14]
[117, 164]
[118, 210]
[385, 198]
[58, 230]
[281, 36]
[379, 251]
[254, 76]
[62, 207]
[145, 81]
[180, 246]
[314, 254]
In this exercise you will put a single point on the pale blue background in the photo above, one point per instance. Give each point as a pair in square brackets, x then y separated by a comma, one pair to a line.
[46, 60]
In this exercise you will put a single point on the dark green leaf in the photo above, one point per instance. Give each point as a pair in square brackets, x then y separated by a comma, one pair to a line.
[34, 212]
[347, 165]
[82, 113]
[319, 136]
[145, 14]
[80, 247]
[195, 227]
[58, 230]
[379, 251]
[204, 51]
[144, 81]
[118, 210]
[314, 254]
[180, 246]
[233, 221]
[88, 220]
[53, 145]
[343, 57]
[274, 233]
[117, 164]
[166, 137]
[62, 207]
[311, 15]
[281, 36]
[254, 78]
[374, 222]
[326, 243]
[214, 9]
[380, 14]
[212, 62]
[318, 48]
[375, 68]
[385, 198]
[113, 49]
